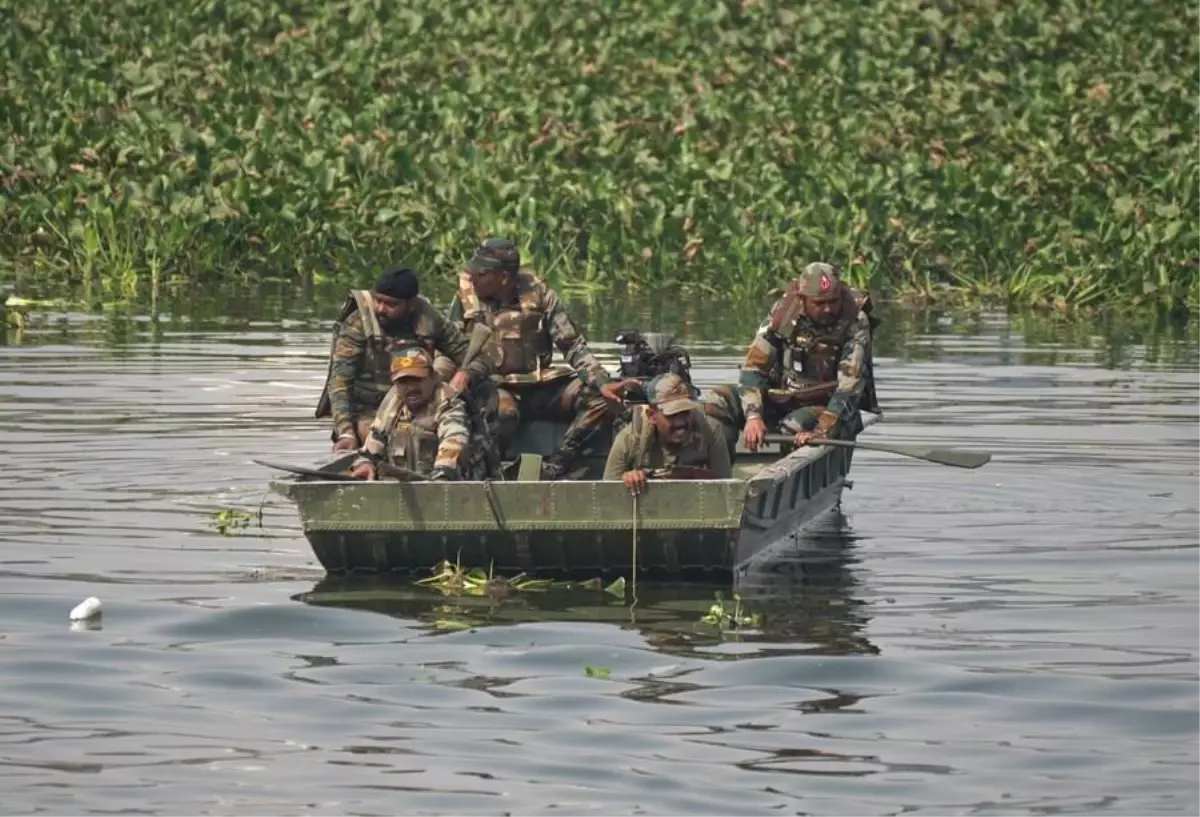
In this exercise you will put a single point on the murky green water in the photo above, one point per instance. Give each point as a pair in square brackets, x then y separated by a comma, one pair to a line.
[1020, 639]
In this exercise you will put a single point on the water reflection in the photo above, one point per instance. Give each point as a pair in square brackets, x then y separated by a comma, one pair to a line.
[807, 601]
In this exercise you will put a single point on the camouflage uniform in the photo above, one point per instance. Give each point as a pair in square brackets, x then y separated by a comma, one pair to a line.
[800, 376]
[429, 440]
[638, 445]
[525, 332]
[361, 355]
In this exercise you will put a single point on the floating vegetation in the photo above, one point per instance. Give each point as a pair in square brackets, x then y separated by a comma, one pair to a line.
[593, 671]
[724, 618]
[227, 519]
[1030, 151]
[451, 578]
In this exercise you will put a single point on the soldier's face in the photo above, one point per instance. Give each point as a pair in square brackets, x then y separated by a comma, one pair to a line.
[822, 311]
[488, 283]
[389, 310]
[672, 429]
[415, 391]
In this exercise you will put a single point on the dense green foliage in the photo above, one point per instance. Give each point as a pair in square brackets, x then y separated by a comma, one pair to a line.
[1041, 150]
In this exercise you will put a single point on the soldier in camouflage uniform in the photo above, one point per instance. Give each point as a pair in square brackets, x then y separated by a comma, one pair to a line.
[421, 424]
[808, 370]
[528, 321]
[669, 432]
[372, 324]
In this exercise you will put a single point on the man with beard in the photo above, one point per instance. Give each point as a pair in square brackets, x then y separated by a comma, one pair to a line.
[669, 435]
[372, 325]
[808, 370]
[528, 322]
[421, 425]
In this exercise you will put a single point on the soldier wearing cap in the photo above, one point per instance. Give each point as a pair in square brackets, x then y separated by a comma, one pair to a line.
[372, 325]
[669, 432]
[421, 424]
[528, 323]
[808, 370]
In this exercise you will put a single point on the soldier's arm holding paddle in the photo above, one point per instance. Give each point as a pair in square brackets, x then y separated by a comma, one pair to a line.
[374, 448]
[850, 384]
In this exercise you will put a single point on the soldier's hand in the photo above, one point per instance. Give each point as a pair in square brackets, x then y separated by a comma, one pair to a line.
[364, 470]
[613, 392]
[346, 442]
[803, 437]
[460, 381]
[635, 481]
[756, 432]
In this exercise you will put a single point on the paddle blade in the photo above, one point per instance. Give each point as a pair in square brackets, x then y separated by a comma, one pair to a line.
[942, 456]
[299, 470]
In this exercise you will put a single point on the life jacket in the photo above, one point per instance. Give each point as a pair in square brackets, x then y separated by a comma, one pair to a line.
[375, 378]
[520, 346]
[811, 353]
[645, 438]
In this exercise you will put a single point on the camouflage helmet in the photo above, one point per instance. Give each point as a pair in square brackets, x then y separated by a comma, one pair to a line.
[819, 282]
[495, 254]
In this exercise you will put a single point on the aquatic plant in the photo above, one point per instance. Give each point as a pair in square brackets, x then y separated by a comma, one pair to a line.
[724, 617]
[1038, 152]
[452, 578]
[229, 519]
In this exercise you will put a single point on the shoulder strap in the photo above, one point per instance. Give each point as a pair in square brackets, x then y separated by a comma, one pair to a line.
[468, 299]
[642, 432]
[366, 312]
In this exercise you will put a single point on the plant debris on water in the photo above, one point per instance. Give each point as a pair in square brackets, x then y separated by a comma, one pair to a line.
[724, 617]
[1041, 152]
[228, 519]
[451, 578]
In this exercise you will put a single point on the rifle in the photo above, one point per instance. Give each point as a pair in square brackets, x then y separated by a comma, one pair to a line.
[480, 334]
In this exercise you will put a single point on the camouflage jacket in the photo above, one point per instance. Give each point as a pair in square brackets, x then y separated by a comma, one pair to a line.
[360, 358]
[637, 445]
[526, 331]
[434, 436]
[811, 364]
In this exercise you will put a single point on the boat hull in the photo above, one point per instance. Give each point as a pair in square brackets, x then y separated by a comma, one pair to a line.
[677, 530]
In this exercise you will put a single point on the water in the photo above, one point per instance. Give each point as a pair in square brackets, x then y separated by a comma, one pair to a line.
[1021, 639]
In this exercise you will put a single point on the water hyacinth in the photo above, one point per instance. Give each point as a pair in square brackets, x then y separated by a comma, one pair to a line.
[1042, 152]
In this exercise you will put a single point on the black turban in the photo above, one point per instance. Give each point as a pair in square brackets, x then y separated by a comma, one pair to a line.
[400, 282]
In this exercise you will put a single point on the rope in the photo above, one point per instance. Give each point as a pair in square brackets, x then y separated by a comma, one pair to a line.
[633, 558]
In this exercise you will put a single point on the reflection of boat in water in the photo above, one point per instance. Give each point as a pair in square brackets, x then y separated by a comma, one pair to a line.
[806, 602]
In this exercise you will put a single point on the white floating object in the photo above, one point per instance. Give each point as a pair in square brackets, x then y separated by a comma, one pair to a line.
[88, 608]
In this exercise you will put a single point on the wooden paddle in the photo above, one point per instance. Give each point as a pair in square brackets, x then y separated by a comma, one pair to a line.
[383, 468]
[942, 456]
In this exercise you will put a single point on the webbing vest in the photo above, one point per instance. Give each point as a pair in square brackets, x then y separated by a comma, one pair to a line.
[811, 353]
[645, 437]
[413, 437]
[520, 347]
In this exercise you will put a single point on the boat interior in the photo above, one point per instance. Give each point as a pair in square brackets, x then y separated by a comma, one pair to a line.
[538, 438]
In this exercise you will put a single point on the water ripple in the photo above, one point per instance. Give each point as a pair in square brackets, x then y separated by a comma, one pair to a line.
[1017, 639]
